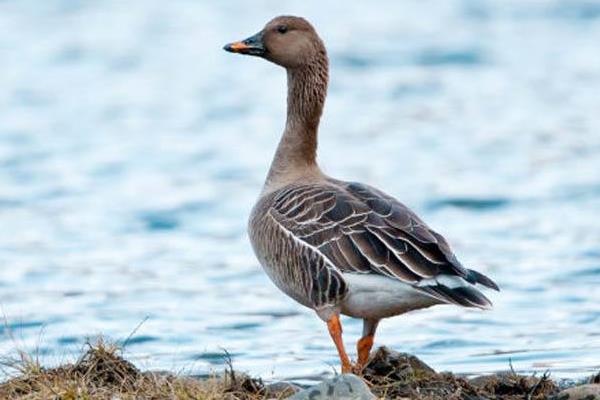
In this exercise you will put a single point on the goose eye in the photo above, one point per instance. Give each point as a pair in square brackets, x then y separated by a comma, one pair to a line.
[282, 29]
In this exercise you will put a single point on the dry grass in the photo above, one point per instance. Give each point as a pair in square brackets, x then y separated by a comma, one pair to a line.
[102, 373]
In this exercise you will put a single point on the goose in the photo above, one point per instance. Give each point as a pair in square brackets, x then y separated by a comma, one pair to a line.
[341, 248]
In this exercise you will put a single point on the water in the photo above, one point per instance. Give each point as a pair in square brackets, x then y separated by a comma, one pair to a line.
[132, 149]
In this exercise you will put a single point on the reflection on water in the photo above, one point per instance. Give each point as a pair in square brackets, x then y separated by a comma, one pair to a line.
[132, 148]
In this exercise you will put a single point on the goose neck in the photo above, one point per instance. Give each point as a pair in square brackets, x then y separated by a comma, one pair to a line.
[297, 150]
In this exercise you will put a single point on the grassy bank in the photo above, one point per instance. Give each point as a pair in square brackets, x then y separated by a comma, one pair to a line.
[102, 373]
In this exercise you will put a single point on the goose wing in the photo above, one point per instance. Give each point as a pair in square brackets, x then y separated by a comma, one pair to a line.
[360, 229]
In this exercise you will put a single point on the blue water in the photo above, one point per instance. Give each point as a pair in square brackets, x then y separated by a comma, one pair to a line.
[132, 149]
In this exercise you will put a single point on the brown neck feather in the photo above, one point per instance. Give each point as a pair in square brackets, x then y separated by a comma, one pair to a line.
[297, 150]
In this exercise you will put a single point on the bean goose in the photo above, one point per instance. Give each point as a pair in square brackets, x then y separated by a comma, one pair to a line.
[341, 247]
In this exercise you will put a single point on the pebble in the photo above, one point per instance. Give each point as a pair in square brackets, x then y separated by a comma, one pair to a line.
[346, 387]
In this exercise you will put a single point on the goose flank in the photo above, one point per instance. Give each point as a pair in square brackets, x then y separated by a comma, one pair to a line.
[333, 246]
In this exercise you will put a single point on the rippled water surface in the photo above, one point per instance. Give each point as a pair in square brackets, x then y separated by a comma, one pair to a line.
[132, 149]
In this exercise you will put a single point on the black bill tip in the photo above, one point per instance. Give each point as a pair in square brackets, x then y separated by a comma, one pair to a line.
[252, 46]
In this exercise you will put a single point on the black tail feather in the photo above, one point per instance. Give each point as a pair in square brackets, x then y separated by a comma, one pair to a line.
[477, 277]
[465, 296]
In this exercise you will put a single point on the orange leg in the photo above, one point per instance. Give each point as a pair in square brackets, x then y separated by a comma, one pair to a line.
[335, 330]
[365, 343]
[364, 346]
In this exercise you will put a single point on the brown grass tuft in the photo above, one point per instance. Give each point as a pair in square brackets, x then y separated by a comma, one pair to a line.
[102, 373]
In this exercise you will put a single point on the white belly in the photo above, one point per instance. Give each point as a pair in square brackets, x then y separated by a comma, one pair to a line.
[376, 296]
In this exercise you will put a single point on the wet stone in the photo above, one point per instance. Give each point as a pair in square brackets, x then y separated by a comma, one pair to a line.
[347, 387]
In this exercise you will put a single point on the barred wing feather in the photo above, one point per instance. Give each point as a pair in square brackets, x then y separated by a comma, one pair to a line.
[362, 230]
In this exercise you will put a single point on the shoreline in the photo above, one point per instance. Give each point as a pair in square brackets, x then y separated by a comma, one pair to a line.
[101, 372]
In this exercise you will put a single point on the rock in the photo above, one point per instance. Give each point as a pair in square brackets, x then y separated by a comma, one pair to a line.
[595, 378]
[584, 392]
[341, 387]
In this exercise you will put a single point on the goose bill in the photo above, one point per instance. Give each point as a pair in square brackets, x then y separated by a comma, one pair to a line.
[252, 46]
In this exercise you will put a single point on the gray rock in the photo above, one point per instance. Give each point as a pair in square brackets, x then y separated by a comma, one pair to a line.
[341, 387]
[583, 392]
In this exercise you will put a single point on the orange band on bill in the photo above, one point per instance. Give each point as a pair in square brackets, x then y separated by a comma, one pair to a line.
[238, 46]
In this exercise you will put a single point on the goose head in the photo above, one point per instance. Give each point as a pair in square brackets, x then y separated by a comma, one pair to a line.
[288, 41]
